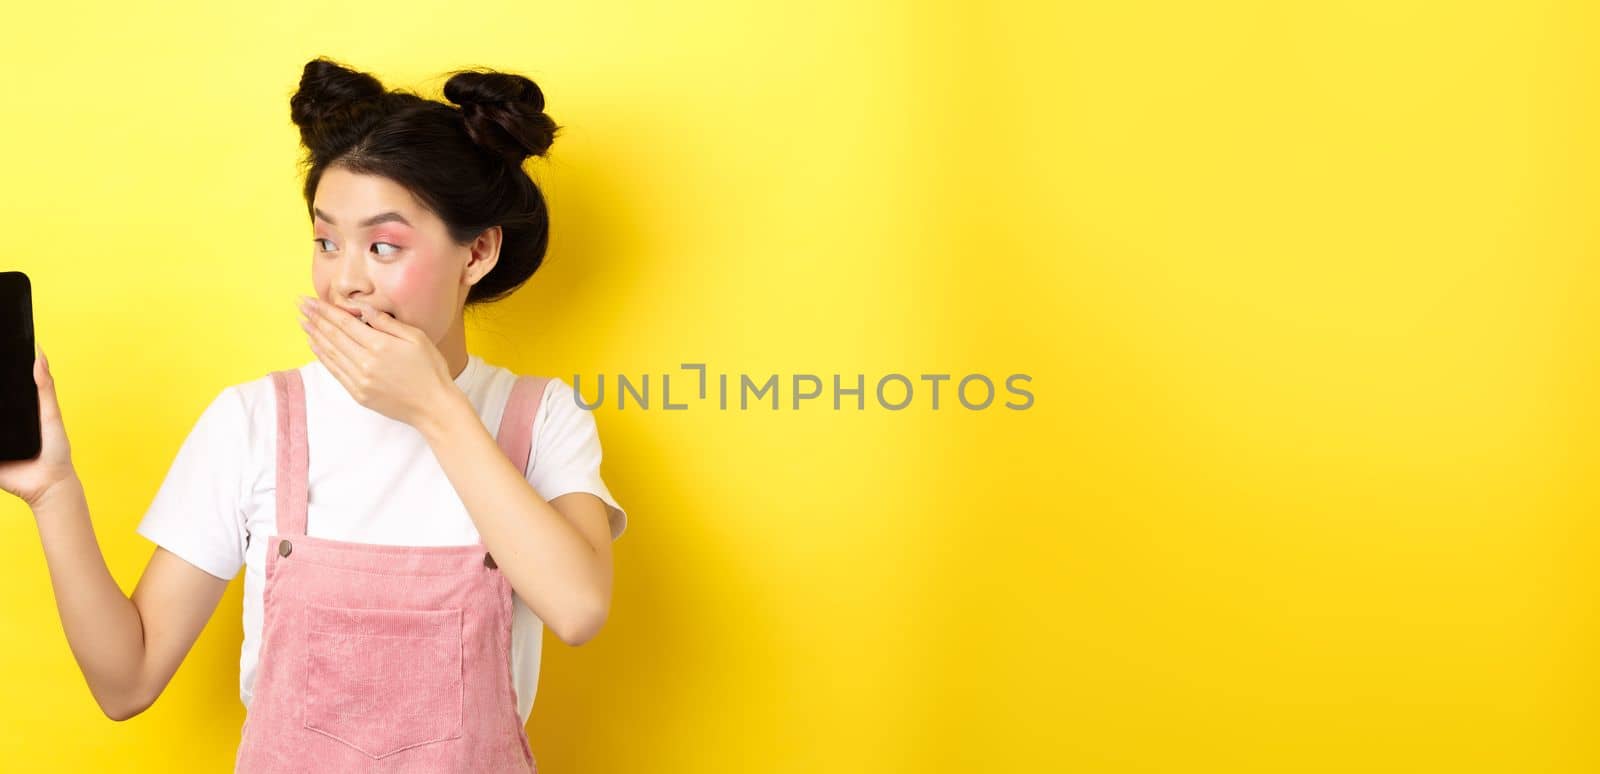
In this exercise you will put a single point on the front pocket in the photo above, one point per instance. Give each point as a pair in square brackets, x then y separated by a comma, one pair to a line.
[383, 681]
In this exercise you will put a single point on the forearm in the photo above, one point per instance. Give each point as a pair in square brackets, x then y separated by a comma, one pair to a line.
[548, 562]
[102, 624]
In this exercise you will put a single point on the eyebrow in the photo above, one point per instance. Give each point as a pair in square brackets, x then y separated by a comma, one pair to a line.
[382, 217]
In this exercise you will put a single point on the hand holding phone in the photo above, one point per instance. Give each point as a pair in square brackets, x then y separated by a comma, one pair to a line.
[34, 452]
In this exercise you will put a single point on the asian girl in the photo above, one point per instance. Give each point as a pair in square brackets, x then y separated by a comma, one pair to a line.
[409, 516]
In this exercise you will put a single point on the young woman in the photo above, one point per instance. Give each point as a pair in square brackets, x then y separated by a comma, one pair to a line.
[409, 516]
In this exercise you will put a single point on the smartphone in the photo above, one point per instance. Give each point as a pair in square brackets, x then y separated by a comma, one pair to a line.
[19, 394]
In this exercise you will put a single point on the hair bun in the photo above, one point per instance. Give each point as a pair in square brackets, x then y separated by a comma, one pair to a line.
[504, 112]
[331, 104]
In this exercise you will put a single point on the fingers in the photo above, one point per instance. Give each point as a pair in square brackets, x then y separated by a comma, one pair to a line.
[41, 368]
[336, 364]
[333, 354]
[48, 410]
[381, 321]
[340, 327]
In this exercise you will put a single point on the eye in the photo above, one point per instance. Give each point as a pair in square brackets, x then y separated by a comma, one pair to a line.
[393, 247]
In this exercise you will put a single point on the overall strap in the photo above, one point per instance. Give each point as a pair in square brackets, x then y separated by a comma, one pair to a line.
[516, 422]
[291, 490]
[515, 438]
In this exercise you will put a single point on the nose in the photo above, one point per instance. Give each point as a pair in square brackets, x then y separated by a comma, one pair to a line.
[349, 276]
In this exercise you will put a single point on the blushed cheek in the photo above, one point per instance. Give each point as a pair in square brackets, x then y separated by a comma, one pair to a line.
[419, 287]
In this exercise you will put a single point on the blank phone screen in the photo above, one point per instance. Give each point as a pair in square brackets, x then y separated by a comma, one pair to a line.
[19, 395]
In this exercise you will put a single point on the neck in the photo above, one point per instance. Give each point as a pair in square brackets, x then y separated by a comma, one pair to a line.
[454, 348]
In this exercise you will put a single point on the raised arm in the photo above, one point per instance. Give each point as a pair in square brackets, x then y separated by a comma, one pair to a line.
[127, 648]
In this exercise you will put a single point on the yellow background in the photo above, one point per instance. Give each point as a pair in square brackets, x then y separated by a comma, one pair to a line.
[1306, 292]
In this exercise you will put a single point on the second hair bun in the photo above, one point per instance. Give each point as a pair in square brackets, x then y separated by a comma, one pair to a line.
[504, 112]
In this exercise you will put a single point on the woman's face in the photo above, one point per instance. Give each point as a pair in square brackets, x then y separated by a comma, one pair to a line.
[372, 241]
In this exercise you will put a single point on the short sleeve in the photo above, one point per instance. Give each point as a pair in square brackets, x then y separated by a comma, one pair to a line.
[566, 453]
[198, 511]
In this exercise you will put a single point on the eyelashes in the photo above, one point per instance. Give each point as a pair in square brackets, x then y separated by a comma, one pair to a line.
[319, 240]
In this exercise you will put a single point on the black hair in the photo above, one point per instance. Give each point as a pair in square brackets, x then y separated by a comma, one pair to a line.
[462, 161]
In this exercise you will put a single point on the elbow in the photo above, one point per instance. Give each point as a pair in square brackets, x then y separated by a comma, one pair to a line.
[120, 715]
[123, 710]
[124, 706]
[578, 629]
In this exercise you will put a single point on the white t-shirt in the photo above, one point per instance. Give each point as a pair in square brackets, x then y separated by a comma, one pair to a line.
[371, 479]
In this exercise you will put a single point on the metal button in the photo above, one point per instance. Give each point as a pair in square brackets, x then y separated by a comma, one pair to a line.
[284, 548]
[488, 561]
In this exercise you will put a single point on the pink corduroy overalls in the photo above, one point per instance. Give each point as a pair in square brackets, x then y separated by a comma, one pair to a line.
[382, 658]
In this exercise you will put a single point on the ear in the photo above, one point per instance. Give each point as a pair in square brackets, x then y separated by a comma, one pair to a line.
[482, 255]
